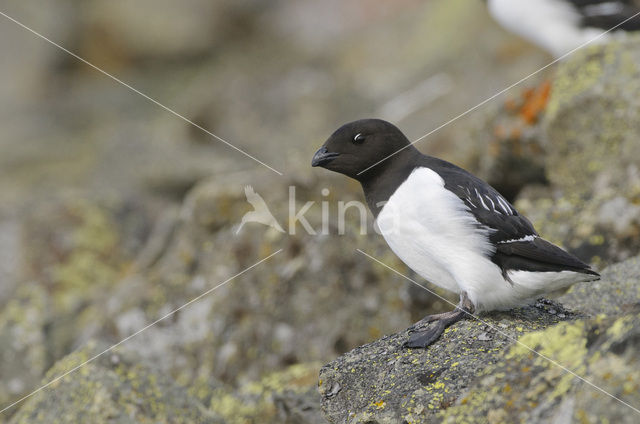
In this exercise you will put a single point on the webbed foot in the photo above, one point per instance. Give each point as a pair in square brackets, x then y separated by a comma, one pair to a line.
[438, 323]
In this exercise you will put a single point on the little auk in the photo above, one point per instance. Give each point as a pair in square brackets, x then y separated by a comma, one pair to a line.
[560, 26]
[448, 225]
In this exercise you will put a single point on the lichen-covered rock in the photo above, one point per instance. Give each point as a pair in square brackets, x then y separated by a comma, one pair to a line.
[80, 271]
[11, 255]
[592, 127]
[115, 388]
[616, 293]
[593, 118]
[384, 382]
[476, 374]
[281, 314]
[526, 387]
[73, 253]
[309, 303]
[508, 143]
[283, 397]
[24, 354]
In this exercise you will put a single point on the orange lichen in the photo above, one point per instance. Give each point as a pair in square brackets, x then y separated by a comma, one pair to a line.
[535, 100]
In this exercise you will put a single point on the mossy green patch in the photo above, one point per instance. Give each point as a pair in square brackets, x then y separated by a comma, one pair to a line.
[113, 387]
[526, 387]
[564, 343]
[93, 260]
[577, 76]
[23, 356]
[254, 401]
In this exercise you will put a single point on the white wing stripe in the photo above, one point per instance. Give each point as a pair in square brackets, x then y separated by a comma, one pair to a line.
[472, 204]
[529, 237]
[484, 205]
[493, 205]
[505, 206]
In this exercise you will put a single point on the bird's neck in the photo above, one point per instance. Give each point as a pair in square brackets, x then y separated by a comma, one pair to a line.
[381, 183]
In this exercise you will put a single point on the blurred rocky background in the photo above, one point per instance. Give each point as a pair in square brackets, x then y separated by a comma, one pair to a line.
[114, 211]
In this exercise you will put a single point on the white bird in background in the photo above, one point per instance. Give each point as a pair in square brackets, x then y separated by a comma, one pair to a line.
[560, 26]
[260, 212]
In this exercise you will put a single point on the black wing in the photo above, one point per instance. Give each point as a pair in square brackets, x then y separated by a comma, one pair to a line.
[537, 254]
[490, 208]
[516, 241]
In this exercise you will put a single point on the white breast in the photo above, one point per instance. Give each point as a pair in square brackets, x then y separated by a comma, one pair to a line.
[431, 230]
[551, 24]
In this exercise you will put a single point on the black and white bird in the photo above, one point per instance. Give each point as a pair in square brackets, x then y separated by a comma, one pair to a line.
[560, 26]
[447, 225]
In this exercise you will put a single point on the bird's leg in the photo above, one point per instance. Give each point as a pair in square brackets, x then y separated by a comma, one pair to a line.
[430, 318]
[464, 304]
[439, 322]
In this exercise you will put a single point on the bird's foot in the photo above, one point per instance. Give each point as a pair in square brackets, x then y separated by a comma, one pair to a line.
[423, 338]
[428, 319]
[438, 323]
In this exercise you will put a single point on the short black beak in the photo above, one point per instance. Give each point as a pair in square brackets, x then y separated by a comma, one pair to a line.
[323, 157]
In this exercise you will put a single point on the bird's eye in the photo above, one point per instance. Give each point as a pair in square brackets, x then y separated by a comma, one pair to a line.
[359, 138]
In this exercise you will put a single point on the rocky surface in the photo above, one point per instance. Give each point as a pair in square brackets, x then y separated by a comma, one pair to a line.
[115, 388]
[218, 347]
[477, 372]
[592, 128]
[508, 141]
[114, 212]
[119, 386]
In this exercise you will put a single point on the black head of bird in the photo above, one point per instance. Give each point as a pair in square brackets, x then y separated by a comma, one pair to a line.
[360, 148]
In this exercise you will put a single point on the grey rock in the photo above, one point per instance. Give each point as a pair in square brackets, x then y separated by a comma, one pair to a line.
[592, 128]
[299, 408]
[116, 388]
[385, 382]
[288, 396]
[259, 321]
[69, 266]
[593, 119]
[464, 377]
[616, 293]
[215, 63]
[508, 142]
[10, 255]
[24, 356]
